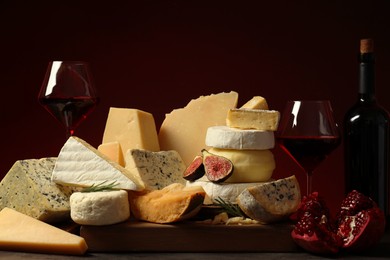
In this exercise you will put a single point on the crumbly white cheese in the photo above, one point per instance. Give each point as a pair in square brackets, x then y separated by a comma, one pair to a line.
[99, 208]
[156, 169]
[27, 188]
[80, 164]
[242, 139]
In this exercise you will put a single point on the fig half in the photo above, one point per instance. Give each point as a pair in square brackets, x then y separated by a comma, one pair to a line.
[195, 170]
[217, 168]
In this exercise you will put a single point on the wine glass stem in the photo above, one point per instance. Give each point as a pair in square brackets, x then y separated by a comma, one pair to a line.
[308, 182]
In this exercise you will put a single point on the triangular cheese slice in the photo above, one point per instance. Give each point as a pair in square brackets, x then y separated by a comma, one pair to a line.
[80, 164]
[20, 232]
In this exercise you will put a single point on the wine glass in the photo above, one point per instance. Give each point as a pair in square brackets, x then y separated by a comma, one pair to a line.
[308, 133]
[68, 93]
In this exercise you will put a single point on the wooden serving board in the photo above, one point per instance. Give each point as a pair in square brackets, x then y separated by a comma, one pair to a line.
[134, 236]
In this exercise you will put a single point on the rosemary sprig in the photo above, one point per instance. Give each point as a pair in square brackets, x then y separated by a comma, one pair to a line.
[100, 187]
[230, 208]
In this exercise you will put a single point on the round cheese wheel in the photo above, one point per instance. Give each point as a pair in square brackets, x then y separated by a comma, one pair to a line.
[249, 165]
[99, 208]
[226, 191]
[242, 139]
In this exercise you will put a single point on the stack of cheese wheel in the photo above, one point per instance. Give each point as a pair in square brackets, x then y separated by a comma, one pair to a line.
[246, 140]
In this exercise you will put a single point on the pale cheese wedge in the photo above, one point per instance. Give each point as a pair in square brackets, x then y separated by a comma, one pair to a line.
[80, 164]
[20, 232]
[257, 102]
[184, 129]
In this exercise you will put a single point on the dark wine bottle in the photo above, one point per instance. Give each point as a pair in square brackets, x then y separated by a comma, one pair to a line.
[366, 136]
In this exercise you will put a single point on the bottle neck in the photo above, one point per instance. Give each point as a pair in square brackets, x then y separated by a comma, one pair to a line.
[367, 77]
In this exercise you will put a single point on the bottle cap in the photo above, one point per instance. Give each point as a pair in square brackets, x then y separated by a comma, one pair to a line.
[366, 45]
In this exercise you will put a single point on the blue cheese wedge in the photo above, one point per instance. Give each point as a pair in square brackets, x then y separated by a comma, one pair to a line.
[27, 188]
[156, 169]
[80, 164]
[99, 208]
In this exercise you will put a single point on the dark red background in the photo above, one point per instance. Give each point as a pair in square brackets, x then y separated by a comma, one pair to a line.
[158, 55]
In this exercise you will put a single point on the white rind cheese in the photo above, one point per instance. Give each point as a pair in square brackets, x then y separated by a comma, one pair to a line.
[80, 164]
[226, 191]
[27, 188]
[242, 139]
[271, 202]
[99, 208]
[156, 169]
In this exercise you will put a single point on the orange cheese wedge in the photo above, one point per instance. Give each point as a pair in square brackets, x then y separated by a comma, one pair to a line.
[19, 232]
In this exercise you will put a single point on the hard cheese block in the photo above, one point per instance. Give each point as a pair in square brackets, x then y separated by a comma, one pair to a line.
[264, 120]
[132, 128]
[27, 188]
[20, 232]
[241, 139]
[156, 169]
[184, 130]
[80, 164]
[113, 151]
[99, 208]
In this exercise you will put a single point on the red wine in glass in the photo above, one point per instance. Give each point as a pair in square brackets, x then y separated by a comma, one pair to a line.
[68, 94]
[308, 133]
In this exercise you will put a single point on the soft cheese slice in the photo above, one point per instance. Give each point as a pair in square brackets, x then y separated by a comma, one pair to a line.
[80, 164]
[132, 128]
[264, 120]
[99, 208]
[184, 130]
[242, 139]
[226, 191]
[257, 102]
[20, 232]
[113, 151]
[173, 203]
[249, 165]
[27, 188]
[271, 202]
[156, 169]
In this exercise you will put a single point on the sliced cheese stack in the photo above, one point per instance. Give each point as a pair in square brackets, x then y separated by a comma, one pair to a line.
[248, 148]
[128, 129]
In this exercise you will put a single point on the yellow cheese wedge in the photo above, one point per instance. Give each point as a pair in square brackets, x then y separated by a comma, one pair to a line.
[257, 102]
[113, 151]
[19, 232]
[184, 130]
[264, 120]
[132, 128]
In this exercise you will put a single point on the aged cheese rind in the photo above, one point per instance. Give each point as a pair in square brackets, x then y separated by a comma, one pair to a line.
[184, 130]
[226, 191]
[132, 128]
[264, 120]
[271, 202]
[241, 139]
[173, 203]
[249, 165]
[28, 189]
[156, 169]
[80, 164]
[99, 208]
[20, 232]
